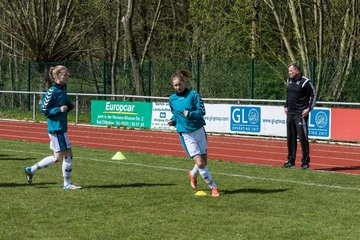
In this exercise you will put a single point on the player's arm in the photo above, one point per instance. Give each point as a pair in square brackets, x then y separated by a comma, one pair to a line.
[199, 107]
[172, 121]
[287, 99]
[70, 106]
[312, 93]
[47, 106]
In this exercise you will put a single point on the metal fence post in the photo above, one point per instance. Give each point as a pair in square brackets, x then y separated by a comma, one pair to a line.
[149, 78]
[34, 106]
[104, 76]
[252, 68]
[313, 71]
[28, 76]
[76, 108]
[198, 76]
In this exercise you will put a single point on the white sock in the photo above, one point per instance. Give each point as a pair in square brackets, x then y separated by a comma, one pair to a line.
[46, 162]
[195, 171]
[67, 169]
[205, 174]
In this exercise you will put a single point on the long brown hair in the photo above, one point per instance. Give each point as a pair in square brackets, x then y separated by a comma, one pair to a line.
[182, 74]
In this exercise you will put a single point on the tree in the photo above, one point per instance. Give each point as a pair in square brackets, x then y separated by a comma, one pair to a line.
[313, 33]
[136, 59]
[45, 30]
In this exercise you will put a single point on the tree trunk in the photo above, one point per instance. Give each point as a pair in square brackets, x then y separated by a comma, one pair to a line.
[300, 36]
[93, 72]
[319, 11]
[116, 48]
[281, 29]
[149, 37]
[347, 49]
[254, 26]
[138, 85]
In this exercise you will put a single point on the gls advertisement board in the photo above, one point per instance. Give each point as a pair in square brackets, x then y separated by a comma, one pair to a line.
[319, 123]
[249, 119]
[245, 119]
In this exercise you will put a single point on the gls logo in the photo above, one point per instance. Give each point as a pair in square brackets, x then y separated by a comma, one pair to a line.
[245, 119]
[319, 123]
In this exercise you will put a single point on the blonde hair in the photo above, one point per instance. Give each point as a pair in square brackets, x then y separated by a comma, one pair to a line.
[182, 74]
[55, 71]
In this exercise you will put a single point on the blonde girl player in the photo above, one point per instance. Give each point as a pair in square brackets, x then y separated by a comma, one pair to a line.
[55, 106]
[188, 111]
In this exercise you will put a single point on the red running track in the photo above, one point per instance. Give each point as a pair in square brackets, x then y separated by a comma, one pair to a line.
[327, 157]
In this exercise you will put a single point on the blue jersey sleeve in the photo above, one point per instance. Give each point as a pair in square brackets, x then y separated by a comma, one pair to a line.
[199, 109]
[47, 108]
[173, 118]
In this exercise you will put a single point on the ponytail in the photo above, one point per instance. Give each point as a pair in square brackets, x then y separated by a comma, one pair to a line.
[51, 74]
[55, 71]
[182, 74]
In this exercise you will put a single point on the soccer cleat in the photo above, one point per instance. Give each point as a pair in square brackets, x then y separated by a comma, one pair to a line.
[29, 175]
[193, 181]
[288, 165]
[72, 187]
[305, 166]
[215, 192]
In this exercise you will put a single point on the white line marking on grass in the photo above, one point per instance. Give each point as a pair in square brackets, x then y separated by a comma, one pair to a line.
[228, 174]
[214, 173]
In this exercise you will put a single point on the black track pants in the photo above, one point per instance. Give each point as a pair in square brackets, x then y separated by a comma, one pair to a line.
[297, 127]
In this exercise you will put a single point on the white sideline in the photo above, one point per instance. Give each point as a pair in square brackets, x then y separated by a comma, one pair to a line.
[213, 173]
[228, 174]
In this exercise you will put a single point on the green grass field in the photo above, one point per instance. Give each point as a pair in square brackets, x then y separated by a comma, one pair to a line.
[149, 197]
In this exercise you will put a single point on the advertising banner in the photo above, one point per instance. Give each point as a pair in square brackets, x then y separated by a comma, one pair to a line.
[127, 114]
[319, 123]
[345, 124]
[273, 121]
[261, 120]
[245, 119]
[219, 118]
[161, 114]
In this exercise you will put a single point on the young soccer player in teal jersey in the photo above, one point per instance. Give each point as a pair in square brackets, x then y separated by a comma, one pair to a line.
[55, 106]
[188, 111]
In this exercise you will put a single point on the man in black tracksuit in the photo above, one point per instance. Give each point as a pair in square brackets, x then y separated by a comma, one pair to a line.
[301, 99]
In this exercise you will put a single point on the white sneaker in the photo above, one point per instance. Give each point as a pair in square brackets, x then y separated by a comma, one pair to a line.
[72, 187]
[29, 174]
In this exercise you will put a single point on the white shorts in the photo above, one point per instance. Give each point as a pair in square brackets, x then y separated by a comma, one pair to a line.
[194, 143]
[59, 142]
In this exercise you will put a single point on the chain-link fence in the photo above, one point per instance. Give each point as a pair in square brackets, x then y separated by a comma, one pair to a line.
[213, 79]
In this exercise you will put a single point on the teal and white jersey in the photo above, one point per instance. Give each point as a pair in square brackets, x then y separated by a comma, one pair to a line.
[54, 98]
[191, 101]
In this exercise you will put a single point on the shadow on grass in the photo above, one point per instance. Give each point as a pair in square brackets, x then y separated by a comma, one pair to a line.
[8, 157]
[5, 185]
[334, 169]
[253, 190]
[132, 185]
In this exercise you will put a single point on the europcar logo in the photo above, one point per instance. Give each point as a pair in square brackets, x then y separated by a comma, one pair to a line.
[245, 119]
[319, 123]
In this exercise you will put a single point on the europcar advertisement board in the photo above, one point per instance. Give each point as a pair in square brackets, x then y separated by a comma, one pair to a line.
[127, 114]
